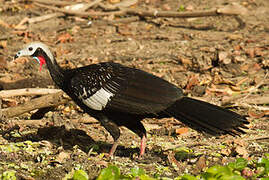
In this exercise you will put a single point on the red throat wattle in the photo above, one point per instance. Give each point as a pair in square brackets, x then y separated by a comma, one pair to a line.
[41, 62]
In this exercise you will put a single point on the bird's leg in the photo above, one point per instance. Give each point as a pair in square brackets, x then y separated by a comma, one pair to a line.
[113, 148]
[137, 127]
[143, 145]
[114, 131]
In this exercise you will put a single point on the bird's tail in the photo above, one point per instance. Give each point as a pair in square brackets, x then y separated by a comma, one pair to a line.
[205, 117]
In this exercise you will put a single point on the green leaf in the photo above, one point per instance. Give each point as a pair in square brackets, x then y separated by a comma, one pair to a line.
[80, 175]
[8, 175]
[239, 164]
[145, 177]
[136, 172]
[187, 177]
[109, 173]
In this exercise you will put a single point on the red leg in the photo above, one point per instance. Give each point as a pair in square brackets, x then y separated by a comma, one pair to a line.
[113, 148]
[143, 146]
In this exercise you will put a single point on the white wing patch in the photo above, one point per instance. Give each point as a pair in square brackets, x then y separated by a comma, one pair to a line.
[97, 101]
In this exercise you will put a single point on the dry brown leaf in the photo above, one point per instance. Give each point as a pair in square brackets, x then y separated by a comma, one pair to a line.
[226, 151]
[3, 62]
[259, 51]
[4, 24]
[185, 61]
[193, 80]
[114, 1]
[223, 57]
[240, 142]
[64, 38]
[3, 44]
[9, 102]
[217, 79]
[201, 163]
[237, 47]
[62, 157]
[241, 151]
[256, 115]
[181, 131]
[21, 25]
[21, 60]
[250, 52]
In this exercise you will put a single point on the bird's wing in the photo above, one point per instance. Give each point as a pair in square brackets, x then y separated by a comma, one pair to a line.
[113, 87]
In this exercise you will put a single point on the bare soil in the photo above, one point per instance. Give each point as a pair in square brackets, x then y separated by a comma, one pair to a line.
[212, 58]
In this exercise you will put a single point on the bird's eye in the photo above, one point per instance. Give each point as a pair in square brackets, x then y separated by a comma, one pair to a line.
[30, 48]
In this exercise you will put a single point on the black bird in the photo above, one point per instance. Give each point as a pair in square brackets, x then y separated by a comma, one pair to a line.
[117, 95]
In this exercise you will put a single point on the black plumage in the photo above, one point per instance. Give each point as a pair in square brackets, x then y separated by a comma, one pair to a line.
[117, 95]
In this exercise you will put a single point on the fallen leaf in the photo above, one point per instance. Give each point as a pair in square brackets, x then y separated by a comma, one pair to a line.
[64, 38]
[226, 151]
[4, 24]
[3, 44]
[250, 52]
[193, 80]
[240, 142]
[62, 157]
[185, 61]
[21, 60]
[9, 102]
[223, 57]
[3, 62]
[255, 115]
[113, 1]
[201, 163]
[258, 51]
[241, 151]
[237, 47]
[181, 131]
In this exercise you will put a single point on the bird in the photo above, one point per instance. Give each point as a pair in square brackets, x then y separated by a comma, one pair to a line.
[118, 95]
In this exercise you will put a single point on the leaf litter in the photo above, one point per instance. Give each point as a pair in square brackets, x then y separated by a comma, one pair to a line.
[225, 63]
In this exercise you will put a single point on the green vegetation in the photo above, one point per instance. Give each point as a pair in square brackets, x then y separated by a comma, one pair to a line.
[239, 170]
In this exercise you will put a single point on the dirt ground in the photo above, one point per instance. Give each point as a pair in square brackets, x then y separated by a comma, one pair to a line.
[221, 59]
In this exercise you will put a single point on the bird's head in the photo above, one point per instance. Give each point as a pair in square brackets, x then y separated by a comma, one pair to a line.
[38, 51]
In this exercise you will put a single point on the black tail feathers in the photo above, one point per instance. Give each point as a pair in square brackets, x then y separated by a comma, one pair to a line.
[205, 117]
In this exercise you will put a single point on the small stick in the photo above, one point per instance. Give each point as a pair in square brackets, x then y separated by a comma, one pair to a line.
[144, 13]
[81, 14]
[54, 2]
[89, 5]
[27, 92]
[37, 103]
[44, 18]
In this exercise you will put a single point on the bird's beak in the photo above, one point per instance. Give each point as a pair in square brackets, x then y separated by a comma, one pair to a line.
[16, 56]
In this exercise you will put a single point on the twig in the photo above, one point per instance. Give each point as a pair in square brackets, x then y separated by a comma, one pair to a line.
[171, 14]
[54, 2]
[89, 5]
[257, 100]
[257, 86]
[81, 14]
[246, 105]
[44, 18]
[118, 21]
[144, 13]
[27, 92]
[42, 102]
[252, 99]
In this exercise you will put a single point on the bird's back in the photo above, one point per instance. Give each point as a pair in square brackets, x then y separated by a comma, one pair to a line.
[114, 87]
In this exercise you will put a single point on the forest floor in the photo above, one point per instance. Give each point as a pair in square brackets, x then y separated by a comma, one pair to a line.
[223, 60]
